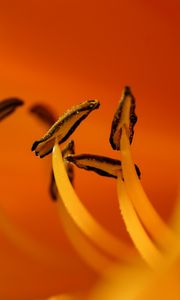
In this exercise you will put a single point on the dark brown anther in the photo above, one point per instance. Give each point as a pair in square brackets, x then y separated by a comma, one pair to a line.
[44, 113]
[64, 127]
[101, 165]
[125, 115]
[8, 106]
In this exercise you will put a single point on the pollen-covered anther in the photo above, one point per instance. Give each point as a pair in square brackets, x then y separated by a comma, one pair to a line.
[124, 116]
[8, 106]
[102, 165]
[64, 127]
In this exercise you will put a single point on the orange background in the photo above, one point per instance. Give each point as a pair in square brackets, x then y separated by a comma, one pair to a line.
[64, 52]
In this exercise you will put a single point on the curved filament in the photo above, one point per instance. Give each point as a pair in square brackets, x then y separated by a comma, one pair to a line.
[143, 243]
[63, 297]
[150, 219]
[92, 256]
[82, 218]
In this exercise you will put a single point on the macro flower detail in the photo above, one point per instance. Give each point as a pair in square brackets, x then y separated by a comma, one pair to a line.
[8, 106]
[124, 116]
[76, 210]
[137, 212]
[47, 117]
[122, 271]
[66, 151]
[64, 127]
[104, 166]
[43, 113]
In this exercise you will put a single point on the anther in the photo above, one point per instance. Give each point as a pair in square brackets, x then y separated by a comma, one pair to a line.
[8, 106]
[64, 127]
[125, 115]
[102, 165]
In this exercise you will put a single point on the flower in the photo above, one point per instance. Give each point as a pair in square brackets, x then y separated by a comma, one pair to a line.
[160, 250]
[61, 54]
[95, 245]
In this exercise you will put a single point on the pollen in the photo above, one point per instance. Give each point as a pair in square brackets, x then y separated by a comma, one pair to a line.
[102, 165]
[124, 116]
[64, 127]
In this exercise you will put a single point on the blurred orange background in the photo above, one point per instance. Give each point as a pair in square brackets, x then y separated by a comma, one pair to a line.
[64, 52]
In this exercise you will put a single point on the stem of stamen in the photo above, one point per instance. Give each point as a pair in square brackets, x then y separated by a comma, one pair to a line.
[143, 243]
[153, 223]
[87, 251]
[63, 297]
[82, 218]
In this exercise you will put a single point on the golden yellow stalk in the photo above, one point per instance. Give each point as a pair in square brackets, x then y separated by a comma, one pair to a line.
[87, 251]
[141, 240]
[124, 282]
[63, 297]
[158, 230]
[80, 215]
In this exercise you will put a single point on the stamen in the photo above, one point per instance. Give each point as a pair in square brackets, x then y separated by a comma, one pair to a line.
[43, 113]
[176, 214]
[87, 251]
[67, 150]
[153, 223]
[8, 106]
[125, 114]
[63, 297]
[143, 243]
[123, 283]
[175, 223]
[53, 188]
[64, 127]
[82, 218]
[101, 165]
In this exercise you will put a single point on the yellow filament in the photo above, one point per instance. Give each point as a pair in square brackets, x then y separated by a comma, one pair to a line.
[94, 258]
[38, 251]
[143, 243]
[153, 223]
[80, 215]
[122, 283]
[137, 282]
[175, 223]
[63, 297]
[176, 215]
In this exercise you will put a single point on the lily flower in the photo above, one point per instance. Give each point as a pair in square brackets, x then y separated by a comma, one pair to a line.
[56, 54]
[157, 246]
